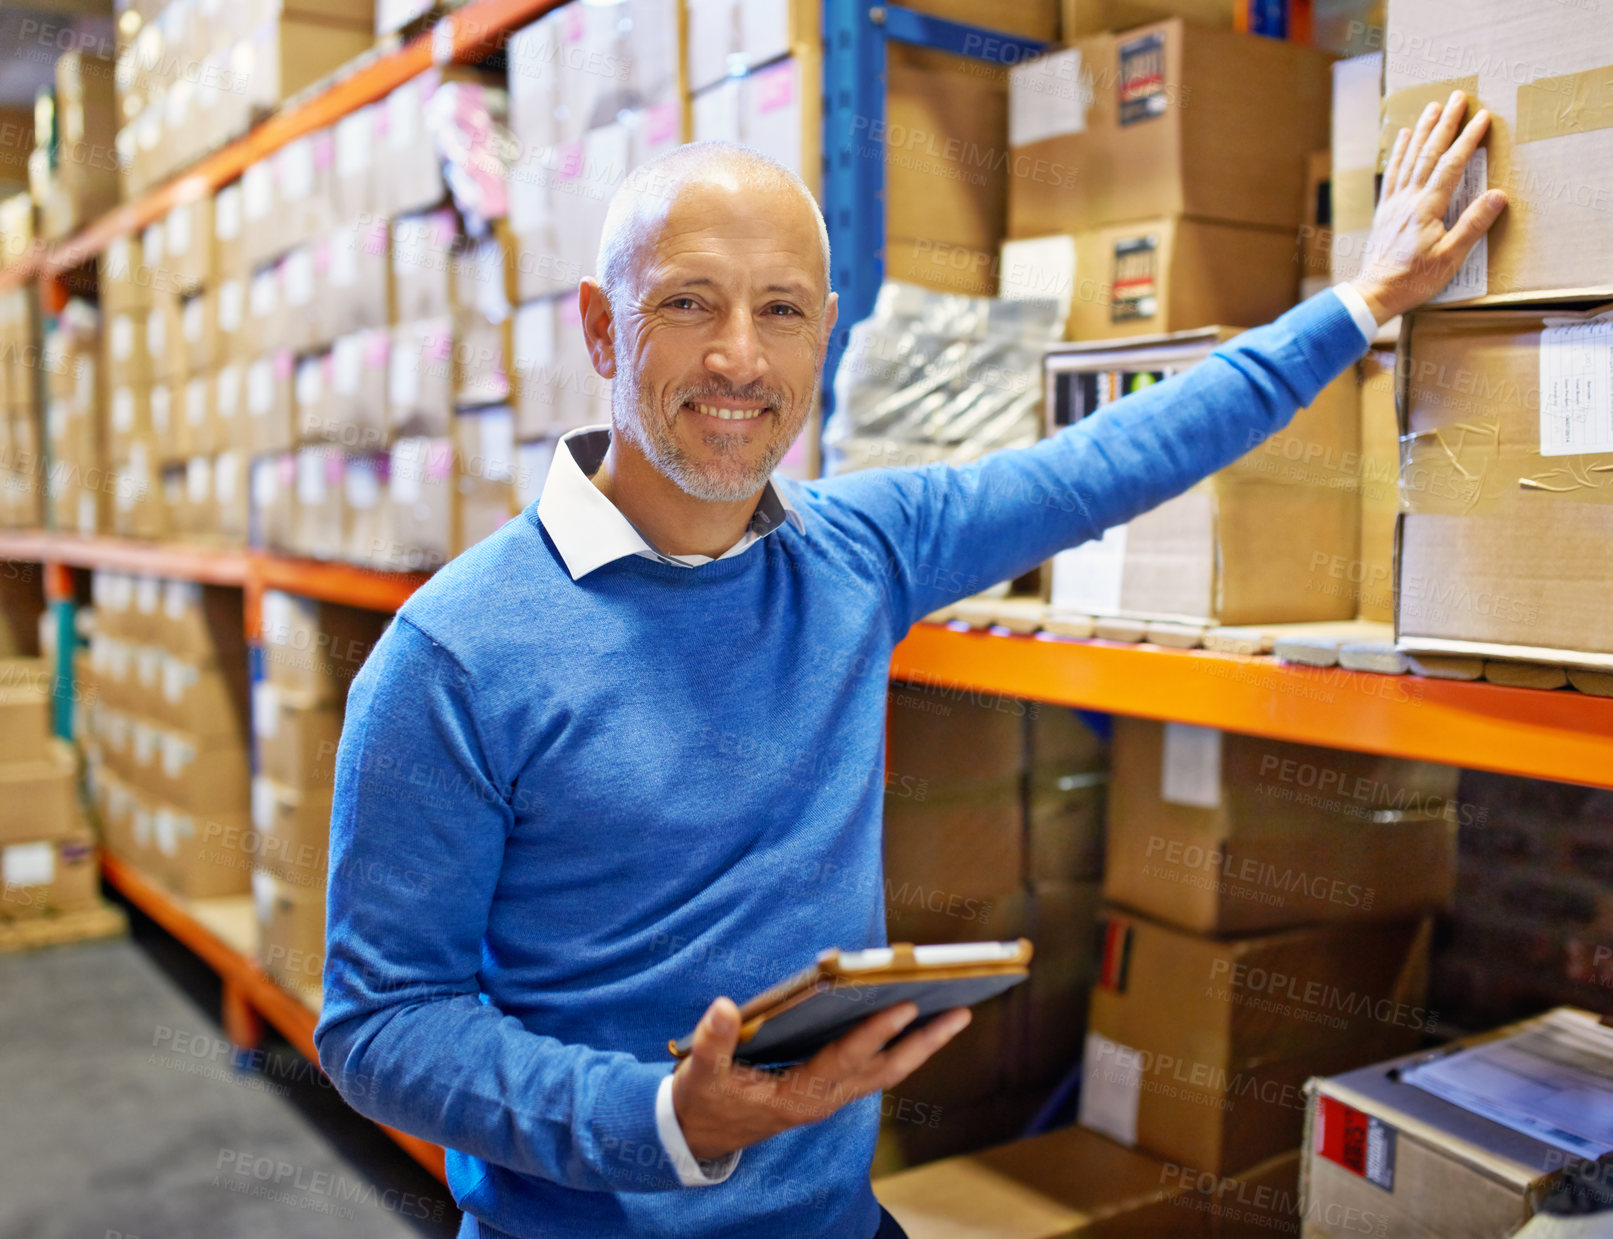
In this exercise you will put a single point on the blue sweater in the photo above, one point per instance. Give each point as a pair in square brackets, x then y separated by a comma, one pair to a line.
[571, 813]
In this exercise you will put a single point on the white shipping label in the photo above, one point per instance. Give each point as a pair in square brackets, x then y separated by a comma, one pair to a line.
[179, 597]
[362, 485]
[1190, 771]
[228, 391]
[264, 487]
[123, 410]
[311, 477]
[227, 213]
[257, 191]
[265, 293]
[347, 363]
[1473, 280]
[226, 477]
[310, 380]
[403, 374]
[177, 753]
[196, 401]
[297, 273]
[28, 864]
[230, 298]
[402, 107]
[176, 676]
[263, 805]
[83, 384]
[1047, 98]
[1039, 269]
[265, 710]
[1576, 387]
[165, 831]
[408, 459]
[1088, 578]
[294, 170]
[354, 133]
[161, 408]
[122, 337]
[344, 245]
[263, 894]
[260, 387]
[157, 334]
[179, 230]
[198, 479]
[191, 319]
[1111, 1086]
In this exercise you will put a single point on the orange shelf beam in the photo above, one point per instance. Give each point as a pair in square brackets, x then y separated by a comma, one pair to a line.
[475, 30]
[1566, 736]
[243, 976]
[355, 586]
[172, 559]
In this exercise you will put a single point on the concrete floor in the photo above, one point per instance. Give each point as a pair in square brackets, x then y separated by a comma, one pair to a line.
[123, 1117]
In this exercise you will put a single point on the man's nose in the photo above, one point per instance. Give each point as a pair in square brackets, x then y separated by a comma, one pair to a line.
[736, 353]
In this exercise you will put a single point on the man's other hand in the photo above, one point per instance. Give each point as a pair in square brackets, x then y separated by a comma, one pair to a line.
[722, 1105]
[1410, 253]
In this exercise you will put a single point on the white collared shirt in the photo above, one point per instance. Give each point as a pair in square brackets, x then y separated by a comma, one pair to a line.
[590, 531]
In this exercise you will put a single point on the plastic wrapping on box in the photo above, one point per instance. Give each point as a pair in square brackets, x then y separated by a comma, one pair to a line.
[939, 377]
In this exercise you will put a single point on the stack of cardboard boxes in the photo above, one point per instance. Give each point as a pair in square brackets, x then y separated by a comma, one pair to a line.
[80, 176]
[993, 831]
[311, 651]
[21, 466]
[78, 487]
[193, 76]
[167, 696]
[47, 853]
[593, 95]
[1158, 177]
[1266, 922]
[1506, 415]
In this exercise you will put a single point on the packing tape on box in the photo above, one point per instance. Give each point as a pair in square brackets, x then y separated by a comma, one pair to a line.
[1402, 108]
[1555, 107]
[1463, 468]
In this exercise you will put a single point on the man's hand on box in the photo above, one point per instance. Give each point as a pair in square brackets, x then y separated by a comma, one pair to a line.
[723, 1106]
[1410, 253]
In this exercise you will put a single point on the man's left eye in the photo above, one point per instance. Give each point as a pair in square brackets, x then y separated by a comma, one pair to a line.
[782, 310]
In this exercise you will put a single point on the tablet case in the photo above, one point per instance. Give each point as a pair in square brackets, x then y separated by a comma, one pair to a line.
[801, 1014]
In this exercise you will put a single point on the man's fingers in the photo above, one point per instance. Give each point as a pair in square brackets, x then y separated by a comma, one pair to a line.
[1391, 170]
[1473, 224]
[1448, 172]
[711, 1050]
[1419, 135]
[1440, 138]
[915, 1049]
[848, 1057]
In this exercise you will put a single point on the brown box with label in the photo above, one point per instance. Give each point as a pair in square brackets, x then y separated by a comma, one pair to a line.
[24, 719]
[270, 403]
[188, 243]
[199, 855]
[200, 774]
[1224, 833]
[293, 826]
[1076, 1184]
[206, 698]
[1384, 1156]
[1372, 576]
[1182, 120]
[1504, 483]
[297, 734]
[1160, 275]
[1255, 543]
[314, 649]
[1545, 77]
[291, 931]
[1198, 1049]
[49, 876]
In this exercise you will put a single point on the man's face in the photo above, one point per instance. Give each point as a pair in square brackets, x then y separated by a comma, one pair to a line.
[720, 337]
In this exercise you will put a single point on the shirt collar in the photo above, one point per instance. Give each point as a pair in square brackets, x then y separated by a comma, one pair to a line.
[589, 530]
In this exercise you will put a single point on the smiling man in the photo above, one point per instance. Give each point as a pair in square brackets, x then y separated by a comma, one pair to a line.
[634, 740]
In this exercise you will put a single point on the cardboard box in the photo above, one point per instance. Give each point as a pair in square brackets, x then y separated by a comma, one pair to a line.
[364, 487]
[297, 734]
[1544, 81]
[260, 225]
[356, 393]
[204, 698]
[1156, 276]
[422, 264]
[1383, 1153]
[124, 280]
[317, 522]
[287, 55]
[200, 774]
[291, 930]
[302, 311]
[25, 722]
[231, 499]
[188, 242]
[1083, 17]
[270, 403]
[273, 501]
[1357, 87]
[1198, 1050]
[420, 504]
[38, 795]
[1254, 543]
[293, 829]
[1223, 833]
[229, 261]
[49, 876]
[127, 361]
[227, 406]
[725, 36]
[359, 276]
[263, 330]
[315, 649]
[484, 491]
[1073, 1183]
[420, 374]
[1372, 578]
[199, 856]
[1506, 516]
[530, 348]
[1182, 120]
[229, 327]
[165, 338]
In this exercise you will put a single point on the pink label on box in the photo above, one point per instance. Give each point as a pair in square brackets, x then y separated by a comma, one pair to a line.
[570, 161]
[324, 149]
[661, 124]
[322, 257]
[375, 238]
[573, 27]
[286, 467]
[377, 347]
[775, 88]
[282, 364]
[439, 346]
[383, 123]
[439, 460]
[327, 367]
[442, 229]
[333, 468]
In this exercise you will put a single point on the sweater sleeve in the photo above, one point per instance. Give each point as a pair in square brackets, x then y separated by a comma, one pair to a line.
[943, 532]
[417, 843]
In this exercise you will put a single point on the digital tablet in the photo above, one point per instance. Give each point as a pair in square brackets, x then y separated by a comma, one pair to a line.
[792, 1020]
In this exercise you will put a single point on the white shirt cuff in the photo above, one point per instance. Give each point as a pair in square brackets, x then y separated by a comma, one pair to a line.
[1356, 304]
[691, 1173]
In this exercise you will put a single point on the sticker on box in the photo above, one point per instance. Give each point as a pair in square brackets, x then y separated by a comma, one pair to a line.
[1190, 767]
[1362, 1144]
[1473, 280]
[1111, 1088]
[1576, 386]
[1142, 79]
[1135, 292]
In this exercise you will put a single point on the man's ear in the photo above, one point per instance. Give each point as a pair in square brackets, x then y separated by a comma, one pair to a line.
[831, 315]
[598, 327]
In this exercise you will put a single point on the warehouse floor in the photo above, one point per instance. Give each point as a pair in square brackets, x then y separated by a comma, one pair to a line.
[122, 1116]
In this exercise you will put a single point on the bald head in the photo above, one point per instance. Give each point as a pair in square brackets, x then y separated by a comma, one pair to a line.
[640, 209]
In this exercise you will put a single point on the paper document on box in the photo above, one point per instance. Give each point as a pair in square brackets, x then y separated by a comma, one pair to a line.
[1576, 386]
[1553, 1081]
[1473, 280]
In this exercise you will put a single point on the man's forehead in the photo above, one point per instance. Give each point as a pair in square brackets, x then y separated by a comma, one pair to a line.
[709, 224]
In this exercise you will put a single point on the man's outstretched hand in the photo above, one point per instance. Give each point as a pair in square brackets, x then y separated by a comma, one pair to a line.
[723, 1106]
[1410, 254]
